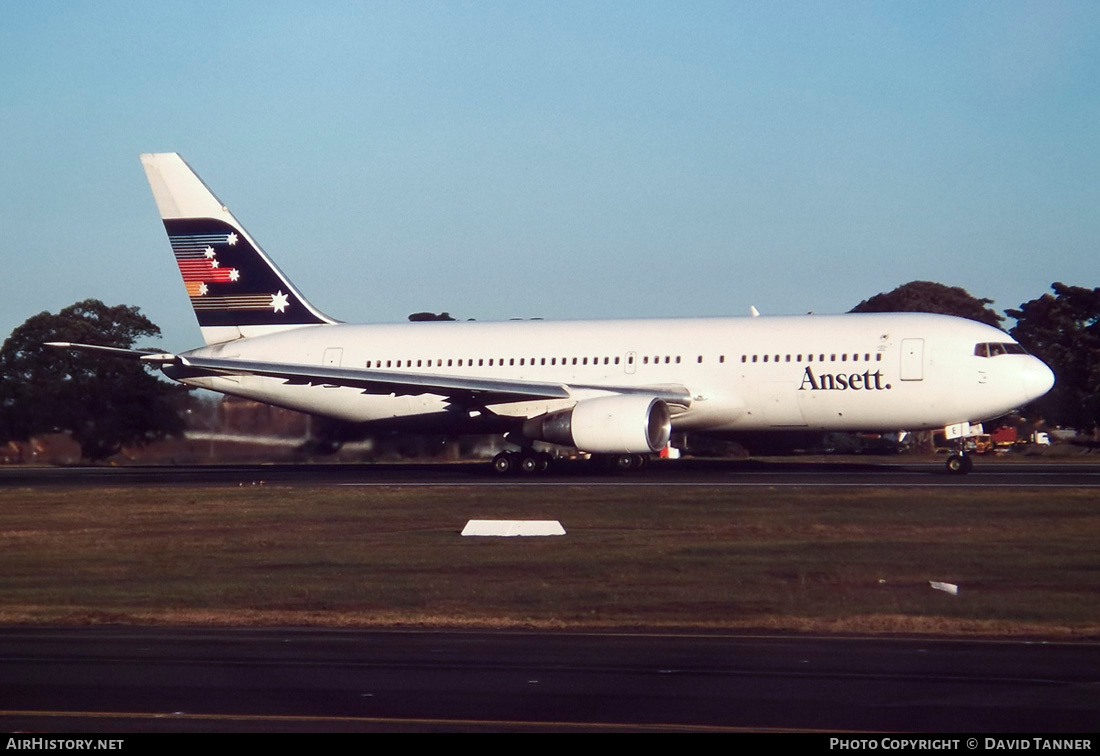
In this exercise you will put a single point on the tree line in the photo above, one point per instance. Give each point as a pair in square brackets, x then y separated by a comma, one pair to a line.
[106, 404]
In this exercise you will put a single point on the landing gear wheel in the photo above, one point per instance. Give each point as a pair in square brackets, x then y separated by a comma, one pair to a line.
[624, 462]
[528, 464]
[545, 461]
[959, 464]
[503, 463]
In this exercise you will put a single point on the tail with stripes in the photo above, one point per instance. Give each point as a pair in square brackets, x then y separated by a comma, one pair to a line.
[235, 288]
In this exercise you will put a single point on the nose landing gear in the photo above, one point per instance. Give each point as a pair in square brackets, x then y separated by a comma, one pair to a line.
[959, 463]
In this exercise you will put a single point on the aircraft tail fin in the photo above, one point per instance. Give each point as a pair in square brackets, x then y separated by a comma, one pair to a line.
[234, 287]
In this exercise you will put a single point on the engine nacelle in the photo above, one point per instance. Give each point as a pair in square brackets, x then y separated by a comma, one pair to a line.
[623, 424]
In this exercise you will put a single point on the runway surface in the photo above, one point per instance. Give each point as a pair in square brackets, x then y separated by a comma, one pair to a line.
[206, 680]
[891, 474]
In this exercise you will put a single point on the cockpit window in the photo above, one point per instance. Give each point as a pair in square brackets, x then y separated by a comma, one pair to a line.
[996, 349]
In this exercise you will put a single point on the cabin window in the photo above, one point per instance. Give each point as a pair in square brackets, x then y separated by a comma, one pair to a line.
[699, 359]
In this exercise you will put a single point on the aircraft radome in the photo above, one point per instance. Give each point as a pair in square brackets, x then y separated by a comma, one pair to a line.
[614, 388]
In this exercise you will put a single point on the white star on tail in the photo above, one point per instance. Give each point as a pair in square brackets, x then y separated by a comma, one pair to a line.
[209, 251]
[231, 239]
[203, 289]
[278, 301]
[234, 274]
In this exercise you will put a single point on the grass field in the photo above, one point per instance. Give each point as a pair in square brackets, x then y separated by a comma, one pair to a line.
[695, 558]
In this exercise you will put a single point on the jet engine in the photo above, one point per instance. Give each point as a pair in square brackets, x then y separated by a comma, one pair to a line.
[625, 423]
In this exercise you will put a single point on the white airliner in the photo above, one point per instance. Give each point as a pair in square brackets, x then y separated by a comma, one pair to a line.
[616, 388]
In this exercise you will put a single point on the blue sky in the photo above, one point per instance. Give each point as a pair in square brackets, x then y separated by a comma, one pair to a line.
[558, 159]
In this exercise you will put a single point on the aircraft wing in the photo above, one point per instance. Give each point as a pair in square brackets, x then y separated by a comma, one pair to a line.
[460, 389]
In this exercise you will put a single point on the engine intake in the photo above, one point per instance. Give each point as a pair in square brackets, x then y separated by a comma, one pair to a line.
[625, 424]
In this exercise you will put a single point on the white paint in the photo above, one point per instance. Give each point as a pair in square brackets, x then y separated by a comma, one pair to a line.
[513, 528]
[865, 372]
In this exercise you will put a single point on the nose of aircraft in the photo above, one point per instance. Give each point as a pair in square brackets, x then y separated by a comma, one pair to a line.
[1038, 379]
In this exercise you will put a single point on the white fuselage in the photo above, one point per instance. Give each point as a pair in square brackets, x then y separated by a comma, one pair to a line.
[816, 372]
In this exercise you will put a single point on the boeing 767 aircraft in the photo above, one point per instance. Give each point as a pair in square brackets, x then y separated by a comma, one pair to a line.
[615, 388]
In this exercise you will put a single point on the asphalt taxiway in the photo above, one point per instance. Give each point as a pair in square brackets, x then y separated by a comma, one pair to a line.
[689, 472]
[297, 680]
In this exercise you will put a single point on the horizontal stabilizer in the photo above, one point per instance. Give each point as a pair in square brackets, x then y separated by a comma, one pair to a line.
[133, 354]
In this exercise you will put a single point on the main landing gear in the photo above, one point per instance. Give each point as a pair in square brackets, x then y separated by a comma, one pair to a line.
[526, 462]
[531, 462]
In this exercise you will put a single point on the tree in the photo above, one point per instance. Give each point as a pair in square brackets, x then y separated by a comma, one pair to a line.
[1063, 330]
[420, 317]
[104, 403]
[927, 296]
